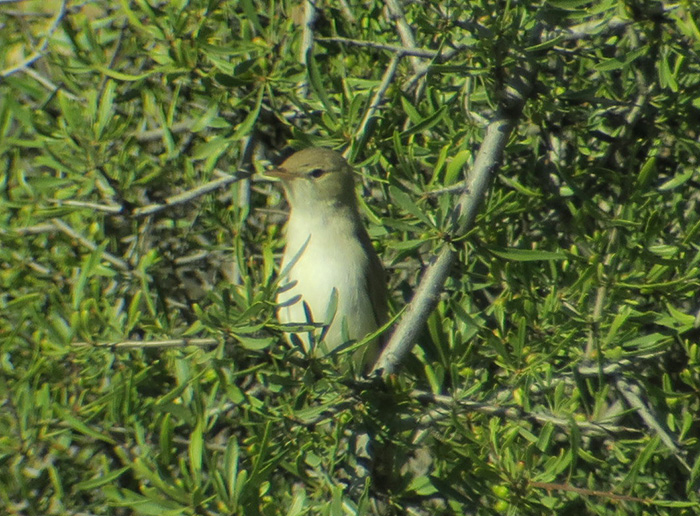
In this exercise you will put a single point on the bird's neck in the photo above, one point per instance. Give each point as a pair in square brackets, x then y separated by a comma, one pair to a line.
[325, 222]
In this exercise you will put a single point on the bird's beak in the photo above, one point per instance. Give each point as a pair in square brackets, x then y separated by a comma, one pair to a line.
[279, 173]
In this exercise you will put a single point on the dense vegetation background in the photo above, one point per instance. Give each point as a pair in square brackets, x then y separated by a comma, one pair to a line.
[142, 370]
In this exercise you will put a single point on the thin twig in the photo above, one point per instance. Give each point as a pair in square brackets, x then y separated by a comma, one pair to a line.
[549, 486]
[398, 49]
[117, 262]
[345, 11]
[364, 130]
[157, 134]
[515, 413]
[31, 264]
[189, 195]
[106, 208]
[30, 230]
[594, 28]
[135, 344]
[51, 86]
[601, 292]
[307, 31]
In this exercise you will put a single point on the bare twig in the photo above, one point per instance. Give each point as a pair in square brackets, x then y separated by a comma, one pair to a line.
[51, 86]
[549, 486]
[398, 49]
[30, 230]
[601, 292]
[135, 344]
[457, 402]
[189, 195]
[363, 129]
[31, 264]
[106, 208]
[157, 134]
[115, 209]
[117, 262]
[346, 11]
[594, 28]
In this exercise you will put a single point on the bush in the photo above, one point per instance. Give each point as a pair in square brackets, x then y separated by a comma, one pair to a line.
[143, 370]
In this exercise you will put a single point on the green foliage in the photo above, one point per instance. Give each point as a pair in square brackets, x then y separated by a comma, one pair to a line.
[560, 371]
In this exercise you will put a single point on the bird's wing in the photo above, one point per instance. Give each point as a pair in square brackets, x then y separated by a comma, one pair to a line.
[376, 280]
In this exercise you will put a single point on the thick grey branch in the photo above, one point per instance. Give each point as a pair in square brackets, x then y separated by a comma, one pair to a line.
[487, 160]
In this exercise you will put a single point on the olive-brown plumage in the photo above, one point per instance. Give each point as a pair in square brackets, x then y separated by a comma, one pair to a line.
[328, 259]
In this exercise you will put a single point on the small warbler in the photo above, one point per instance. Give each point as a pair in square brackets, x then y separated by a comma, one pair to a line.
[331, 273]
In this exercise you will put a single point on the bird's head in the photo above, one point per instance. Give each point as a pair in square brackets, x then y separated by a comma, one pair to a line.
[316, 177]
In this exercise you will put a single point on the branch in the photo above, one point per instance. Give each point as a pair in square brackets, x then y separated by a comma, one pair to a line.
[117, 262]
[398, 49]
[39, 53]
[189, 195]
[515, 413]
[307, 34]
[143, 211]
[396, 13]
[136, 344]
[463, 215]
[363, 130]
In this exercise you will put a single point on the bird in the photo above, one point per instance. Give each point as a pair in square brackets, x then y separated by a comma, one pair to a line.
[330, 272]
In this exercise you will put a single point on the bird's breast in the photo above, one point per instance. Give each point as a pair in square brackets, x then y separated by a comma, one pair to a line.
[318, 260]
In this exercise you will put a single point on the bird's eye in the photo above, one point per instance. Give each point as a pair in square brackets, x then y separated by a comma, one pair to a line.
[316, 173]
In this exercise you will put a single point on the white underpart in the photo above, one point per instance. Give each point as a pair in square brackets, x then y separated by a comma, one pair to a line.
[325, 255]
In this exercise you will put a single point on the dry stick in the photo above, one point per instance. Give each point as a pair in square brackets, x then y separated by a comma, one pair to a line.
[113, 209]
[593, 28]
[307, 34]
[421, 70]
[487, 161]
[157, 134]
[181, 198]
[46, 83]
[30, 230]
[601, 292]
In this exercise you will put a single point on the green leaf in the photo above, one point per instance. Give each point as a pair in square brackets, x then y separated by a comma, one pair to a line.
[526, 255]
[79, 426]
[677, 181]
[102, 480]
[316, 82]
[426, 123]
[251, 118]
[455, 167]
[404, 202]
[195, 453]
